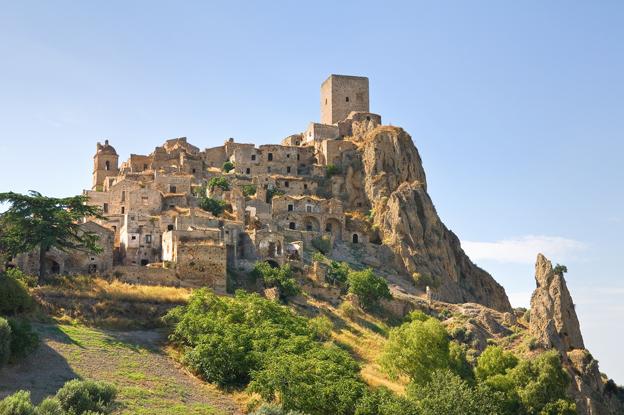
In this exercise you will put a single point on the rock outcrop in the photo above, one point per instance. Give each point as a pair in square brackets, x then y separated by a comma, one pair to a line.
[395, 186]
[553, 318]
[554, 324]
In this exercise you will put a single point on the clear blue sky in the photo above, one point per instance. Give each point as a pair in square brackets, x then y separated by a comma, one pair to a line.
[517, 109]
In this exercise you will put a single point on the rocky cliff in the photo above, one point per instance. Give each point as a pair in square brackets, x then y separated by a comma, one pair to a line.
[392, 180]
[554, 324]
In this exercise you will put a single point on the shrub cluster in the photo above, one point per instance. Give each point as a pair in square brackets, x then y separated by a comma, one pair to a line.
[248, 190]
[219, 182]
[216, 207]
[368, 287]
[228, 166]
[443, 382]
[322, 244]
[248, 340]
[17, 339]
[280, 277]
[14, 295]
[76, 397]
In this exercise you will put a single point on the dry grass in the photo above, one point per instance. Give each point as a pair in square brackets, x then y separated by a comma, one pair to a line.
[365, 337]
[101, 289]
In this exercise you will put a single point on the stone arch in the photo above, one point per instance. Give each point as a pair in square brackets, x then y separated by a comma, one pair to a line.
[355, 238]
[311, 224]
[107, 165]
[333, 226]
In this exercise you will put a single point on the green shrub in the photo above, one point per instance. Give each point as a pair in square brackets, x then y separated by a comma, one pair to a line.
[79, 396]
[318, 257]
[224, 339]
[337, 273]
[16, 273]
[216, 207]
[319, 381]
[416, 349]
[228, 166]
[348, 309]
[270, 409]
[332, 169]
[382, 401]
[494, 361]
[280, 277]
[219, 182]
[323, 244]
[5, 341]
[17, 404]
[447, 394]
[368, 287]
[51, 406]
[248, 190]
[560, 269]
[14, 295]
[559, 407]
[23, 339]
[322, 327]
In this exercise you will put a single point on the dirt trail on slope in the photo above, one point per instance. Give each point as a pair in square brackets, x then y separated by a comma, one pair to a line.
[147, 379]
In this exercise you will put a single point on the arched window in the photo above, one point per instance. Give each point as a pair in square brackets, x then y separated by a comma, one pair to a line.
[291, 225]
[355, 238]
[347, 99]
[107, 165]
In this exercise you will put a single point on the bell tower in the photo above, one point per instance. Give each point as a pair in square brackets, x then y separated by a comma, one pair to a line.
[105, 164]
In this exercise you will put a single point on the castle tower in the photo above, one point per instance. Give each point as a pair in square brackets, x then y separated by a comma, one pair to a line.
[104, 164]
[341, 94]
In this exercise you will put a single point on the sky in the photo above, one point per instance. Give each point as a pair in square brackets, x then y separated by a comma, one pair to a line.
[517, 109]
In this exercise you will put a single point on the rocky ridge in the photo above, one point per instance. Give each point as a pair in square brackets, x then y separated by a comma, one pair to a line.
[395, 186]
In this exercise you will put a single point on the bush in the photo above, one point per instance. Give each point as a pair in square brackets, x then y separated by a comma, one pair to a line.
[51, 406]
[228, 166]
[224, 339]
[323, 244]
[14, 295]
[348, 309]
[446, 393]
[383, 402]
[322, 327]
[318, 257]
[280, 277]
[416, 349]
[272, 192]
[5, 341]
[368, 287]
[216, 207]
[560, 269]
[17, 404]
[270, 409]
[80, 396]
[219, 182]
[248, 190]
[332, 169]
[337, 273]
[23, 339]
[494, 361]
[319, 381]
[16, 273]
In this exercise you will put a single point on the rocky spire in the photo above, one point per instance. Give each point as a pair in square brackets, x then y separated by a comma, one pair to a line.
[553, 318]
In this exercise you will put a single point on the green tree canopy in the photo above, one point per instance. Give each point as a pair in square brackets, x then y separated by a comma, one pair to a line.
[368, 287]
[36, 221]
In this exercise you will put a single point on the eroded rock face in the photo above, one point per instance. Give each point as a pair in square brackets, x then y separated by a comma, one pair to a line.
[553, 318]
[395, 186]
[554, 324]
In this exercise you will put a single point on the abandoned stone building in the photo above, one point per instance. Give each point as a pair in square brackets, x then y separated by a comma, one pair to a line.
[278, 198]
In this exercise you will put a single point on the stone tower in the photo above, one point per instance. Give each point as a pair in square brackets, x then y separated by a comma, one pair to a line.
[341, 94]
[104, 164]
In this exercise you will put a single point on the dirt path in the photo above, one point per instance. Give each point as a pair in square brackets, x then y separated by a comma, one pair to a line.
[148, 381]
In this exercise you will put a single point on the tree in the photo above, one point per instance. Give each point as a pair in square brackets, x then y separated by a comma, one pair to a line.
[280, 277]
[448, 394]
[416, 349]
[228, 166]
[368, 287]
[219, 182]
[494, 361]
[36, 221]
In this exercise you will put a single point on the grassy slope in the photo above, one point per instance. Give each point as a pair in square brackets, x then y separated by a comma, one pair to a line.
[148, 381]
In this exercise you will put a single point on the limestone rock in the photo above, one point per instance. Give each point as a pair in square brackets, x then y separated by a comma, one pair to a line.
[395, 186]
[553, 319]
